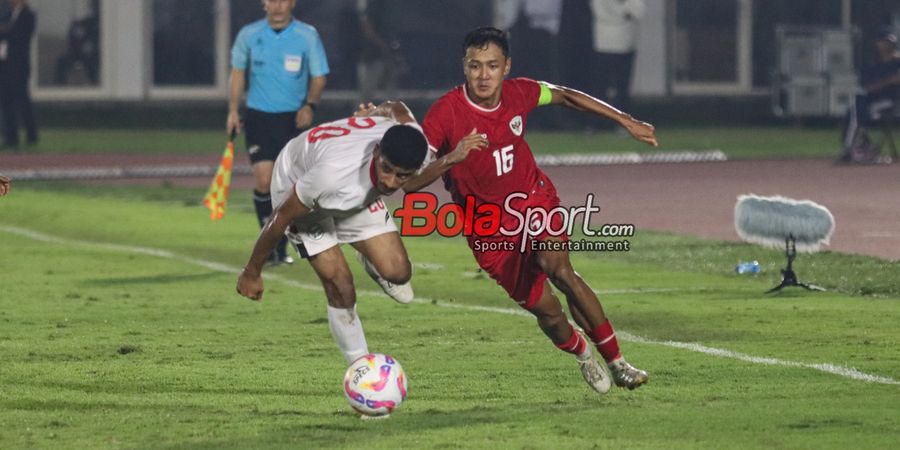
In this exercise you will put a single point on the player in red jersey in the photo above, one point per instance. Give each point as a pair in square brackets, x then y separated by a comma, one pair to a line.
[478, 133]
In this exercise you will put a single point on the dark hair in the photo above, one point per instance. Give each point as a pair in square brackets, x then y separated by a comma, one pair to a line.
[482, 37]
[404, 146]
[886, 34]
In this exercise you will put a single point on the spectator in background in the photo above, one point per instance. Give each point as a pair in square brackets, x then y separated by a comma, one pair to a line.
[615, 40]
[576, 51]
[880, 82]
[287, 67]
[4, 185]
[82, 50]
[534, 32]
[380, 62]
[16, 30]
[534, 35]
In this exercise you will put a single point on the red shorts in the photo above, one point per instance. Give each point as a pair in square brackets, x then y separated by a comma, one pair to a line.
[504, 260]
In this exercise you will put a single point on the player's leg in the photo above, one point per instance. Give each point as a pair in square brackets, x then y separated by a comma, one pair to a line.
[588, 313]
[8, 110]
[525, 282]
[550, 316]
[387, 256]
[316, 241]
[31, 132]
[554, 323]
[337, 280]
[380, 250]
[266, 135]
[262, 203]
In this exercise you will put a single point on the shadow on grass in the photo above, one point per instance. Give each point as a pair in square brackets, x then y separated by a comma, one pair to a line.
[155, 279]
[406, 429]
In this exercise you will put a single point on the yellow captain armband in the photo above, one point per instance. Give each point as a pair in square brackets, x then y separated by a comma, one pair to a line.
[546, 96]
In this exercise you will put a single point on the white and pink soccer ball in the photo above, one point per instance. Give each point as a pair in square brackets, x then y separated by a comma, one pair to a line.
[375, 385]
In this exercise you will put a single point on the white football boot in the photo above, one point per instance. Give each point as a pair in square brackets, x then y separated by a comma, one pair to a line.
[402, 293]
[595, 374]
[626, 375]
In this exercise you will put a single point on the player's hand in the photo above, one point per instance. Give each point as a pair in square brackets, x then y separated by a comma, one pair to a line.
[233, 124]
[4, 185]
[250, 286]
[472, 141]
[641, 131]
[364, 110]
[304, 118]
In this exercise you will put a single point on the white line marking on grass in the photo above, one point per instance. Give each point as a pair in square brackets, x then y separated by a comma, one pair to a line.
[589, 159]
[636, 291]
[847, 372]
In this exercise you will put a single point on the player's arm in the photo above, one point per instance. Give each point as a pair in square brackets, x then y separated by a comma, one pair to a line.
[305, 115]
[394, 110]
[235, 92]
[250, 282]
[472, 141]
[577, 100]
[881, 83]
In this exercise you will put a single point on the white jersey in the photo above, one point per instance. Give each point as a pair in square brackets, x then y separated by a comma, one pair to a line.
[616, 24]
[330, 167]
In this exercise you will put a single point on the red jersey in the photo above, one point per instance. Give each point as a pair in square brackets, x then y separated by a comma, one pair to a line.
[507, 165]
[491, 174]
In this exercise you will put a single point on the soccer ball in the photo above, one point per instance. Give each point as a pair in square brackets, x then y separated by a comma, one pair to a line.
[375, 385]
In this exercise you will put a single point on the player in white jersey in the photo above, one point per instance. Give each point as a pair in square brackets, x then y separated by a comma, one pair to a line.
[326, 191]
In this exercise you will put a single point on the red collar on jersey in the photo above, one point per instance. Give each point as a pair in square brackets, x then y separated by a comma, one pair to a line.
[372, 172]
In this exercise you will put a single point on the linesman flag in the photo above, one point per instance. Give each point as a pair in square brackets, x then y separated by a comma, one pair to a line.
[217, 195]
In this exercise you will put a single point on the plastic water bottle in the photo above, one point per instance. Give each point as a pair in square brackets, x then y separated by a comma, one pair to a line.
[747, 267]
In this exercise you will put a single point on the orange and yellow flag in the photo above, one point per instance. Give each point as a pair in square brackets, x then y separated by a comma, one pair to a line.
[217, 195]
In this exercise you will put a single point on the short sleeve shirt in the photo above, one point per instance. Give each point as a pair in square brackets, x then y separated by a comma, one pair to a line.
[331, 167]
[880, 71]
[507, 165]
[280, 64]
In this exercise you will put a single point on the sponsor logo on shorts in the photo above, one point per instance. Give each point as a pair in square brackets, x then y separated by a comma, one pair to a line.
[315, 232]
[253, 149]
[532, 228]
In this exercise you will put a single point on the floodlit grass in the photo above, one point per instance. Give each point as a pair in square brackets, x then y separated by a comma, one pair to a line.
[117, 333]
[72, 140]
[737, 143]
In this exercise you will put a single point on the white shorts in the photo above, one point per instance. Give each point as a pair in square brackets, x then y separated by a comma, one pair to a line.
[316, 233]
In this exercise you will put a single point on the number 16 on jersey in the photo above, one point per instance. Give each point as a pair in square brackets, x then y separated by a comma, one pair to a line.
[504, 159]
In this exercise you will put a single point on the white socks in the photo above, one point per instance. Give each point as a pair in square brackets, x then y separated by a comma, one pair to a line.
[347, 331]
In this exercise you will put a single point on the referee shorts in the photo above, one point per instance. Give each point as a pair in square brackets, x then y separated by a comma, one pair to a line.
[267, 133]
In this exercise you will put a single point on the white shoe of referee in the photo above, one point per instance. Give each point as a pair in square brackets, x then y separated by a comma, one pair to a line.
[402, 293]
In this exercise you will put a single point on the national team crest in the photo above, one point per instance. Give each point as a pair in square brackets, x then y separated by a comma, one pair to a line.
[516, 125]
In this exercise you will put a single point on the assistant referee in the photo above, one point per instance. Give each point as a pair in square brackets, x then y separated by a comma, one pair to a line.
[287, 66]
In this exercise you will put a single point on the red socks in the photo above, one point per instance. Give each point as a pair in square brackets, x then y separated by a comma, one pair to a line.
[604, 338]
[576, 344]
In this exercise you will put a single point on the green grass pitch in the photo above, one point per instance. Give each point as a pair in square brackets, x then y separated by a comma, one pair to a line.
[737, 143]
[120, 328]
